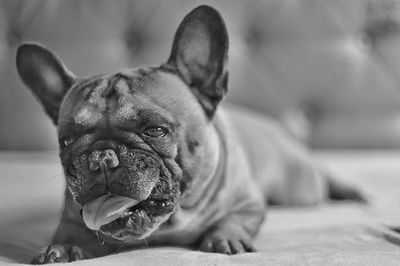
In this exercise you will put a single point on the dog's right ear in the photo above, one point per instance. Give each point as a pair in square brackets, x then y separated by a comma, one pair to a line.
[44, 73]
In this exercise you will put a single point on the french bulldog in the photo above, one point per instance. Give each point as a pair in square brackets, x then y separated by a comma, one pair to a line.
[199, 174]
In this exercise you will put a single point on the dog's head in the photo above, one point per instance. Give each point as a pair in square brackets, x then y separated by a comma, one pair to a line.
[140, 133]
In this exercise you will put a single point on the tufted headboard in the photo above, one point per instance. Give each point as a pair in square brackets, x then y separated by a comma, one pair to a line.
[328, 69]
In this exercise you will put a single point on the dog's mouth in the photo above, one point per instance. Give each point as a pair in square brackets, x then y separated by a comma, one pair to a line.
[140, 220]
[121, 218]
[128, 201]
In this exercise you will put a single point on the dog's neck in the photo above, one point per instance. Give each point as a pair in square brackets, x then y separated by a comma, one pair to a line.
[194, 196]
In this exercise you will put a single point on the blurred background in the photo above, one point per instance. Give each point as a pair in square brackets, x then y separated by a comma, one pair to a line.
[329, 70]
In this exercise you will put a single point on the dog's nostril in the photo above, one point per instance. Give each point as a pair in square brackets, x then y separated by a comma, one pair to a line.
[110, 158]
[93, 166]
[103, 159]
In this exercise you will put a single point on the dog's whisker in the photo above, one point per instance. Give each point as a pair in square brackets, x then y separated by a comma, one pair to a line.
[67, 120]
[55, 176]
[101, 240]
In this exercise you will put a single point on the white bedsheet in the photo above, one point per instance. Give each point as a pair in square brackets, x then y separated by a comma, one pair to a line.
[31, 190]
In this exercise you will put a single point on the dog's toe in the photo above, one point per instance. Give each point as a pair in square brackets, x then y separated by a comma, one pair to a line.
[59, 253]
[227, 246]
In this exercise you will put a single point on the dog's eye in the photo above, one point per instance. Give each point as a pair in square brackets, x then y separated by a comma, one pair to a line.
[155, 132]
[67, 141]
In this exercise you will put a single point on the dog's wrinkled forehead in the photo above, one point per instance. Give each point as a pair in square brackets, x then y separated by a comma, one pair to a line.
[121, 94]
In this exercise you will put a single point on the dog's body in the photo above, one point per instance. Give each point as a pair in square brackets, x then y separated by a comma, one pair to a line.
[202, 175]
[240, 181]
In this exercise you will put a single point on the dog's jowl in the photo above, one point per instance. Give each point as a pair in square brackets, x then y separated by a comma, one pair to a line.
[151, 158]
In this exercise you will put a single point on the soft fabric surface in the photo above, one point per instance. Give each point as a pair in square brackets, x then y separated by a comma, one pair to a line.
[31, 189]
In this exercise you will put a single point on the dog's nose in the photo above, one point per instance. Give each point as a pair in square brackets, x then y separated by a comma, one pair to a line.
[105, 159]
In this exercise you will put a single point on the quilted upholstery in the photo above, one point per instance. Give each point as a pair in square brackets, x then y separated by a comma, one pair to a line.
[328, 69]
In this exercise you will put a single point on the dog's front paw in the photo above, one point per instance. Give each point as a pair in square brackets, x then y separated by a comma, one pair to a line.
[220, 243]
[59, 253]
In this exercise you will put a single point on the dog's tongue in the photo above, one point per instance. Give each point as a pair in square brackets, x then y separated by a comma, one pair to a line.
[106, 209]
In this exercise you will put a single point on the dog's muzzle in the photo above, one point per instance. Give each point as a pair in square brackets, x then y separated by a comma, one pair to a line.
[123, 171]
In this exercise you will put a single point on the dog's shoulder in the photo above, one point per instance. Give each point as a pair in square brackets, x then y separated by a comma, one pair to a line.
[251, 129]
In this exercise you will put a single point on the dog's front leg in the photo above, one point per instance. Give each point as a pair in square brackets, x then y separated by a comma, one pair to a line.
[69, 243]
[59, 253]
[234, 233]
[72, 240]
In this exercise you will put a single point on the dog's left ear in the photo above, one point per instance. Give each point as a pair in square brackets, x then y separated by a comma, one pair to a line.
[47, 77]
[199, 55]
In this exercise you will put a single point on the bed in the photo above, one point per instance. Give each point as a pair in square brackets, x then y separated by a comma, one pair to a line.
[345, 233]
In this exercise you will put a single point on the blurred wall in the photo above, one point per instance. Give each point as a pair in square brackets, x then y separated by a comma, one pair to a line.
[329, 70]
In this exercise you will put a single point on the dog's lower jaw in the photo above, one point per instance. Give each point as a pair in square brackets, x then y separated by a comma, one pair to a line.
[130, 231]
[141, 220]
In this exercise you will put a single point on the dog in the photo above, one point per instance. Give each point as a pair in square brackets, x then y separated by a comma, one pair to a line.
[194, 172]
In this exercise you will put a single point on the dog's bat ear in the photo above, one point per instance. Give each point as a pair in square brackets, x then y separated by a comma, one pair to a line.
[199, 55]
[44, 73]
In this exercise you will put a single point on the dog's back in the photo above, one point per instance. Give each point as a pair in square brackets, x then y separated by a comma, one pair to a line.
[282, 167]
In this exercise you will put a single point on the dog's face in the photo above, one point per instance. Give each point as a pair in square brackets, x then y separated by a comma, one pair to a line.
[141, 133]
